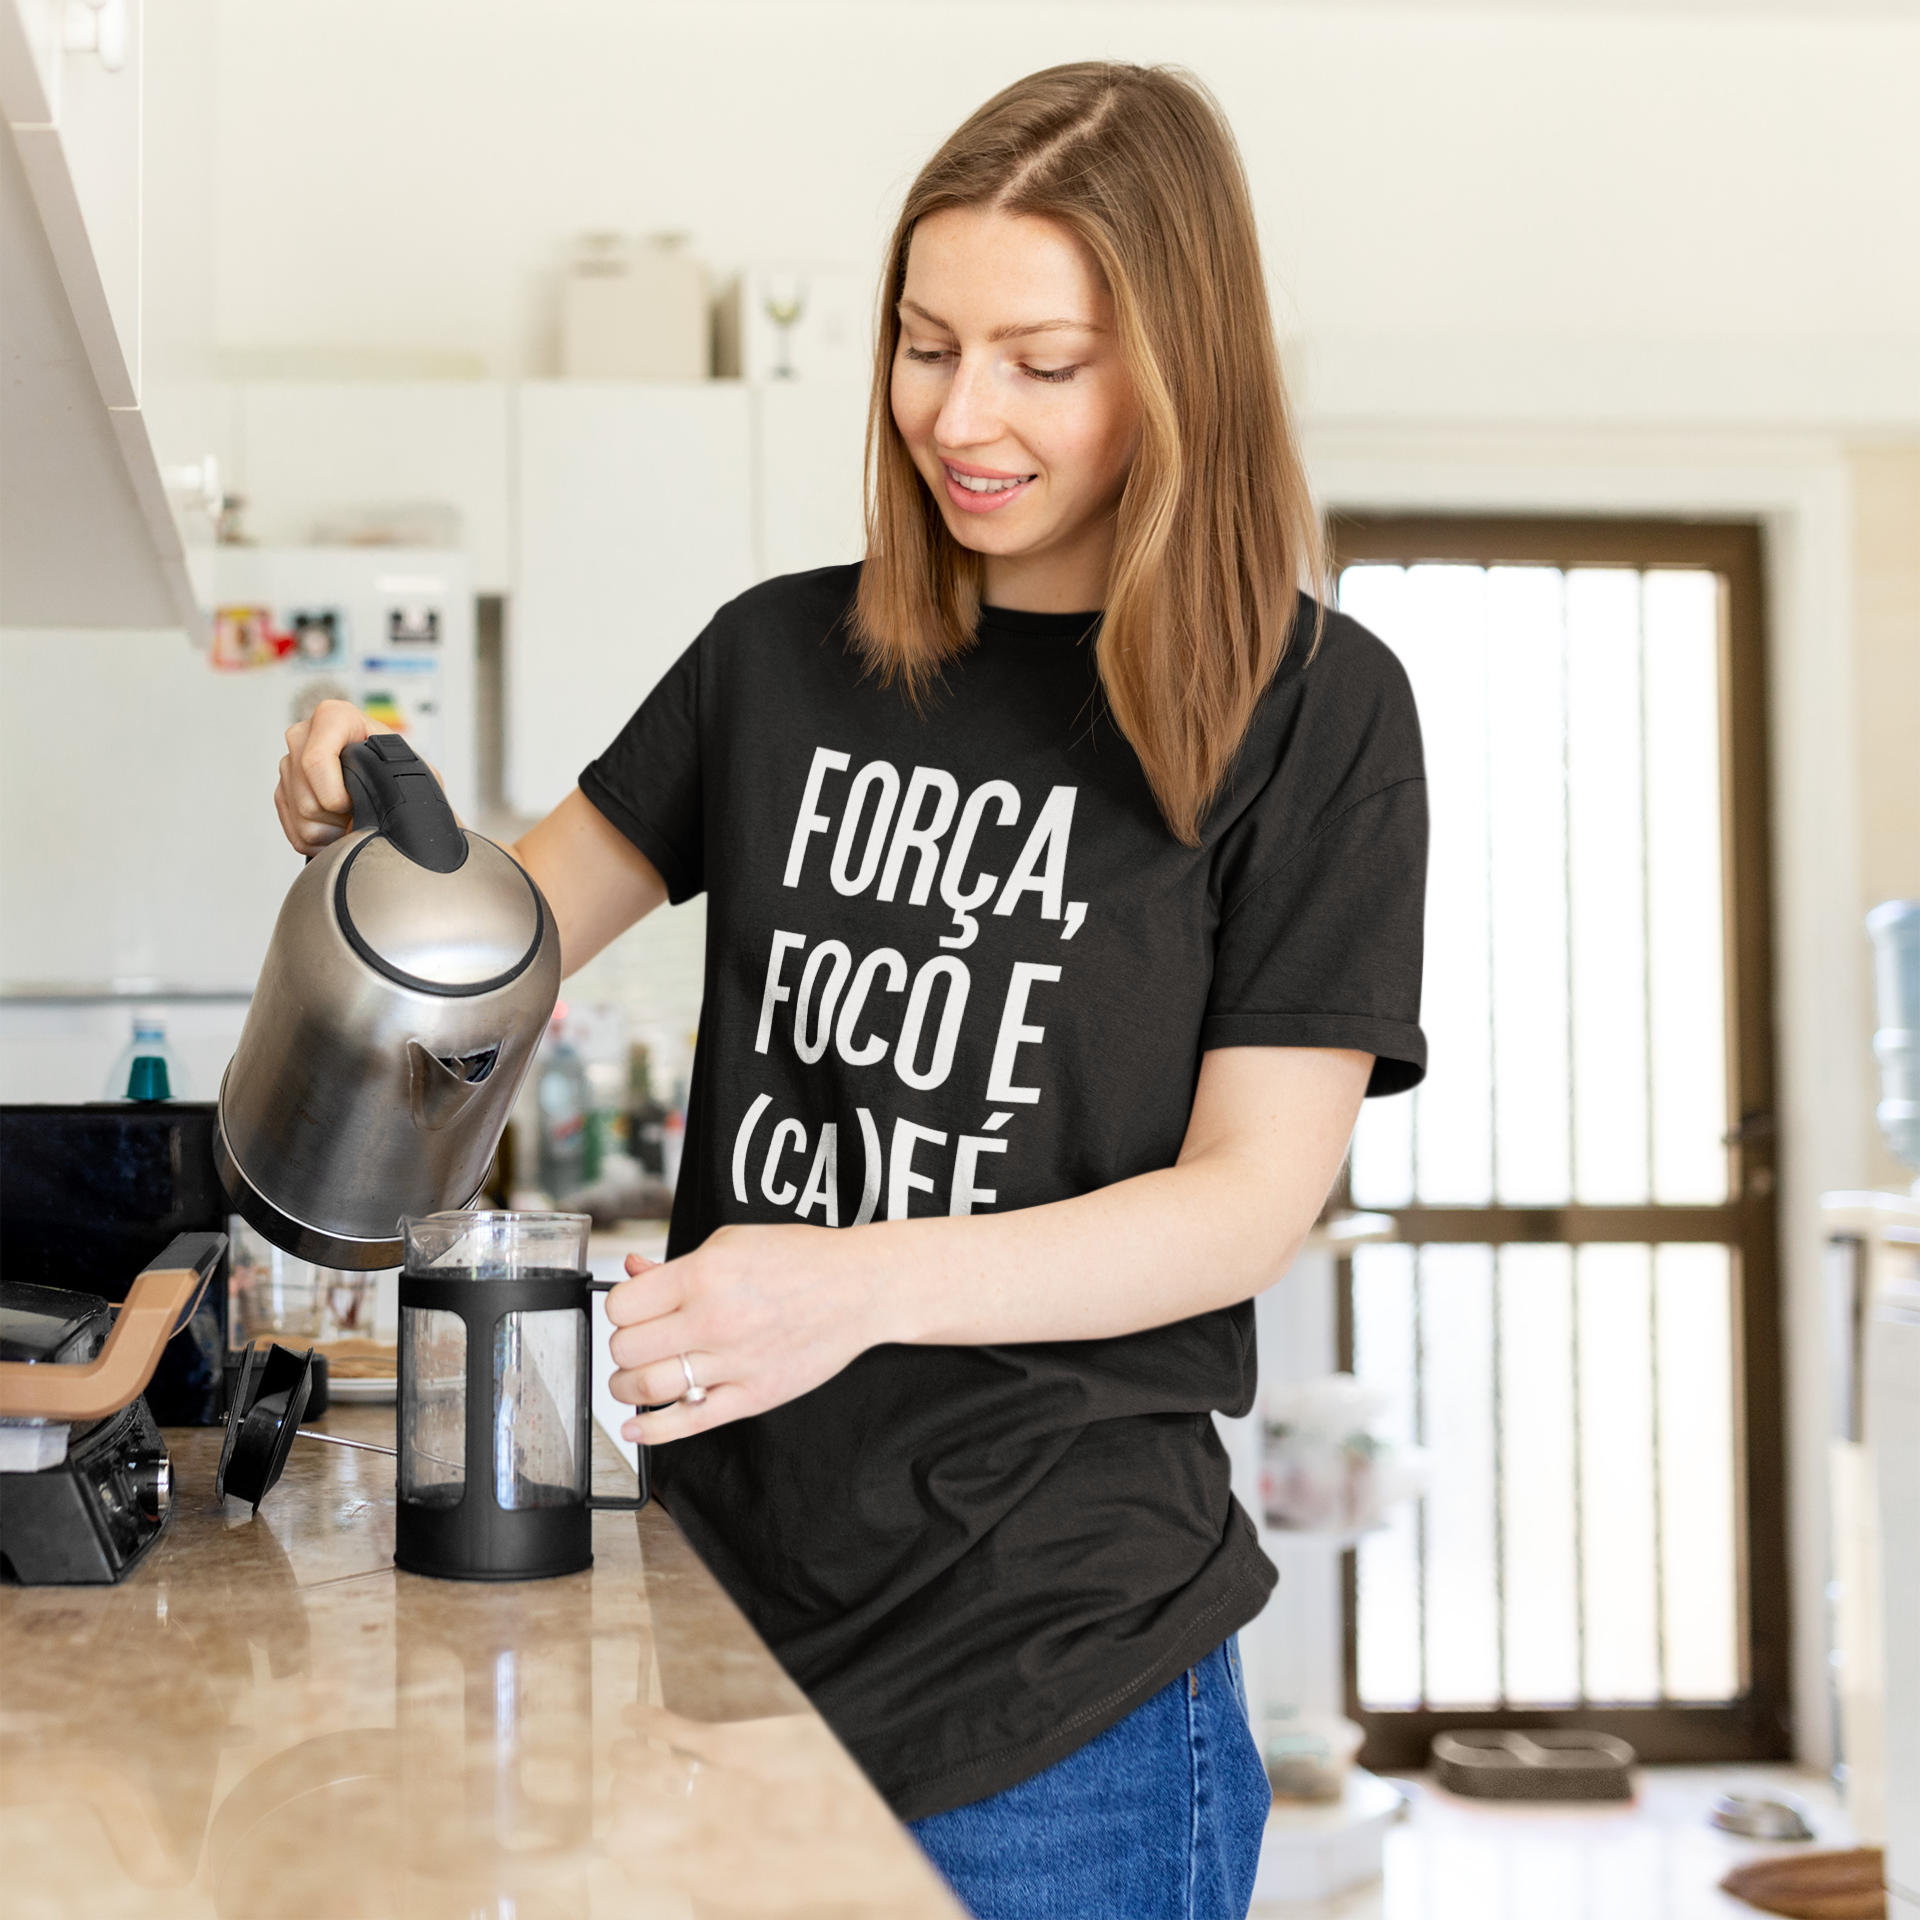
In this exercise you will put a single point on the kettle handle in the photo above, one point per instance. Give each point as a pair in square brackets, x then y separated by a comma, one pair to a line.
[395, 792]
[616, 1503]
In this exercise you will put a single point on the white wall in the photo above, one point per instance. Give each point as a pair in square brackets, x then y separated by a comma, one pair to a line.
[1498, 211]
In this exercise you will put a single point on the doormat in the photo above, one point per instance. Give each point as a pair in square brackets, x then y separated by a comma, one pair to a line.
[1814, 1886]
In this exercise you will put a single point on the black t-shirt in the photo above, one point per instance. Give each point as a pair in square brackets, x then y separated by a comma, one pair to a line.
[956, 962]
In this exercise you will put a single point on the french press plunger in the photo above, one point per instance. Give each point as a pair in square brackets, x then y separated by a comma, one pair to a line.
[494, 1406]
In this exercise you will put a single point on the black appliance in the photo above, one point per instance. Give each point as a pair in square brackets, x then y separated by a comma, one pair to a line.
[89, 1195]
[71, 1371]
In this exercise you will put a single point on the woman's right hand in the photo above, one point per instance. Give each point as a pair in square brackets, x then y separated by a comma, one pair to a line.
[311, 798]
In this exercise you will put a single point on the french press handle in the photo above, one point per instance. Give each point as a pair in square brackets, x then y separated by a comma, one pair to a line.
[612, 1502]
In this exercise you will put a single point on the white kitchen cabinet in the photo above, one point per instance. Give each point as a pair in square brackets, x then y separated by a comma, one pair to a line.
[812, 437]
[75, 116]
[75, 547]
[98, 125]
[108, 265]
[633, 514]
[312, 456]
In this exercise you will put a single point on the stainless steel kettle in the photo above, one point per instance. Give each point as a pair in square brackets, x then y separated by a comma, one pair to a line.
[412, 972]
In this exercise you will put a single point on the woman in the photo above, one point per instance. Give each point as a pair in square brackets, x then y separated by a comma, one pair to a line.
[1064, 870]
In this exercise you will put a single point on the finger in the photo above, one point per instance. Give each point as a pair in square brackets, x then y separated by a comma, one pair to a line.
[305, 836]
[638, 1263]
[302, 803]
[649, 1342]
[678, 1421]
[646, 1295]
[664, 1381]
[335, 726]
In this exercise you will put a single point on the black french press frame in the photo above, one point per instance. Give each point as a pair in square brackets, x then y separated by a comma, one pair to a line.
[477, 1538]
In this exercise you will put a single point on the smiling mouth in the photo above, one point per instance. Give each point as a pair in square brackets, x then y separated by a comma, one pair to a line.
[983, 483]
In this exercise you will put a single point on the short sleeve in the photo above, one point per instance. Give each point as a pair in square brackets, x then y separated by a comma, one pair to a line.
[1326, 952]
[1323, 874]
[648, 782]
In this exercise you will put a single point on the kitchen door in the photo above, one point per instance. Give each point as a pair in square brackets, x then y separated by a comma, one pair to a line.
[1577, 1314]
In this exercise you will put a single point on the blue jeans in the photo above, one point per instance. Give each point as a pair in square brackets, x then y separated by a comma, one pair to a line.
[1158, 1818]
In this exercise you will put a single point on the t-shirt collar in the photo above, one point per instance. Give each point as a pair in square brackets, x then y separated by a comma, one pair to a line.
[1038, 626]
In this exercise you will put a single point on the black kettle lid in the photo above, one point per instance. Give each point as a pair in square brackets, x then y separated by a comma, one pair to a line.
[269, 1402]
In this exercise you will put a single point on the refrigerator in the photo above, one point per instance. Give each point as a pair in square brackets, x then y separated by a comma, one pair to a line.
[144, 867]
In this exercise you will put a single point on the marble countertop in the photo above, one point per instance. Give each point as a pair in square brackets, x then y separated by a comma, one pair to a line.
[267, 1720]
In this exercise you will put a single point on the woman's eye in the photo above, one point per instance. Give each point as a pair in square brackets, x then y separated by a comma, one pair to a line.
[926, 355]
[1053, 374]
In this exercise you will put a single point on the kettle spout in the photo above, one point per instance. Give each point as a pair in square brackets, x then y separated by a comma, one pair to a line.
[439, 1093]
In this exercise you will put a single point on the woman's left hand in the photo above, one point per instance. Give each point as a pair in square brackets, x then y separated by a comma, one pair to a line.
[761, 1314]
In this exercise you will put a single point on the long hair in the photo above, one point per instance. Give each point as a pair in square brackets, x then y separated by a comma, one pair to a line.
[1217, 530]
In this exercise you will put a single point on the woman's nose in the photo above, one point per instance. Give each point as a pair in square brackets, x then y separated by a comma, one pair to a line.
[969, 417]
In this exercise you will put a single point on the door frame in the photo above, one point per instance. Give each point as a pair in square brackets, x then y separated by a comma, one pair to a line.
[1758, 1724]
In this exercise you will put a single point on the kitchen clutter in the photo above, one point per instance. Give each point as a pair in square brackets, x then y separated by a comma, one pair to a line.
[1762, 1816]
[147, 1067]
[1873, 1306]
[1309, 1756]
[1325, 1469]
[1849, 1884]
[407, 993]
[635, 309]
[1329, 1472]
[589, 1132]
[1317, 1850]
[644, 307]
[1489, 1763]
[794, 321]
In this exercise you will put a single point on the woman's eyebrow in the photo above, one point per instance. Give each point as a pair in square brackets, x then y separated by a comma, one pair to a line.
[1026, 327]
[1018, 331]
[932, 319]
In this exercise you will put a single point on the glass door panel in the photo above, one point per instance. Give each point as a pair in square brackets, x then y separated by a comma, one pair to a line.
[1576, 1318]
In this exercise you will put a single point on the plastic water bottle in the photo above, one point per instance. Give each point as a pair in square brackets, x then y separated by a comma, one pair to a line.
[1894, 928]
[565, 1098]
[147, 1069]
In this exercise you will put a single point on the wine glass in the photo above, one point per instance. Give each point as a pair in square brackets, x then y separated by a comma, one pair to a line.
[786, 301]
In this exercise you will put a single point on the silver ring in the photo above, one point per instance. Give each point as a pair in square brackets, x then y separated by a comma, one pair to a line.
[695, 1392]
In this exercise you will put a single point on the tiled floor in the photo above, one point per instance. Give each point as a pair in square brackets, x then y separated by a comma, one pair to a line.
[1653, 1859]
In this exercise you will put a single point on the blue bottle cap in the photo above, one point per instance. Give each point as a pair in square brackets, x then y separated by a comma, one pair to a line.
[148, 1080]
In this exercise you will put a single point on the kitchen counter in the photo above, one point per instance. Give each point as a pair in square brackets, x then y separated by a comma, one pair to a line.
[267, 1720]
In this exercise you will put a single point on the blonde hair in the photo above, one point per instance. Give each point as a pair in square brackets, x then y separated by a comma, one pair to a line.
[1217, 530]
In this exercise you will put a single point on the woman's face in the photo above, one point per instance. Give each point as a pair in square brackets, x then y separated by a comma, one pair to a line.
[1010, 392]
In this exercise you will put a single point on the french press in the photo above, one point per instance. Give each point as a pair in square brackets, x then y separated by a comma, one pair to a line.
[495, 1397]
[494, 1411]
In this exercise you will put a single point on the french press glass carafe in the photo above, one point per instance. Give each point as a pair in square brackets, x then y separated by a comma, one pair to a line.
[495, 1391]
